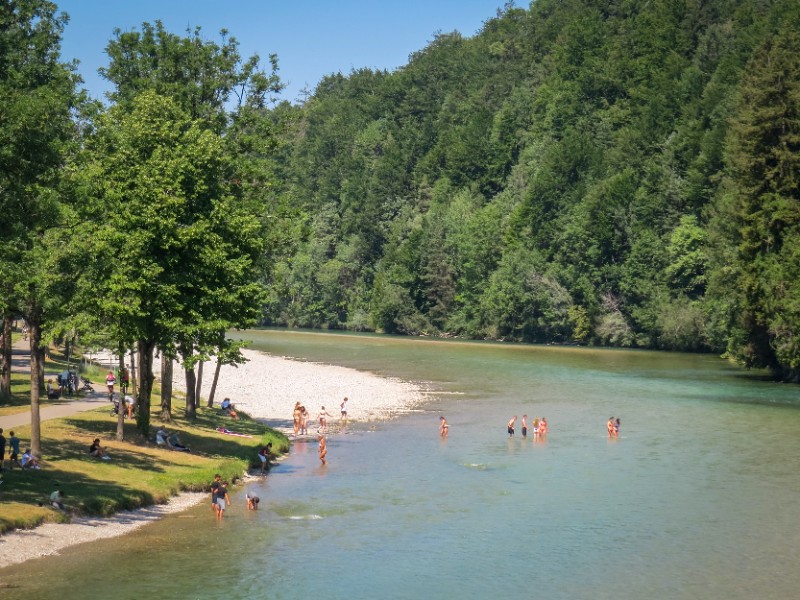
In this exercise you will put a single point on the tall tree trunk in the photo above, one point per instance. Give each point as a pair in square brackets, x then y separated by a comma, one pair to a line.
[191, 385]
[166, 387]
[214, 383]
[199, 387]
[42, 384]
[6, 356]
[145, 348]
[121, 412]
[35, 337]
[134, 387]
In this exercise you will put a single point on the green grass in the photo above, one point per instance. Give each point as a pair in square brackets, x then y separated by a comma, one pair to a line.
[138, 474]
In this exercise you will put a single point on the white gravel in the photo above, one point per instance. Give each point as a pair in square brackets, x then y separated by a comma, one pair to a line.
[50, 538]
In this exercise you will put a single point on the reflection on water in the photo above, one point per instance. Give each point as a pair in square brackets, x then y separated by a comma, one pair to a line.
[696, 499]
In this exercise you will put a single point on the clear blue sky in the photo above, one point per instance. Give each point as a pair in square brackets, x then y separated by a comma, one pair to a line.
[312, 38]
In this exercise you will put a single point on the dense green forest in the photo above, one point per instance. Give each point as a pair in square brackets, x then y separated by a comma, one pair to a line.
[583, 171]
[610, 172]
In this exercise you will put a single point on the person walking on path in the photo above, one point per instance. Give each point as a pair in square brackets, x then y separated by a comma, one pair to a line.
[13, 451]
[110, 381]
[125, 380]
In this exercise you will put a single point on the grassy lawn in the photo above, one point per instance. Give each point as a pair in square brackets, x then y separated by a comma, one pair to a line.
[138, 474]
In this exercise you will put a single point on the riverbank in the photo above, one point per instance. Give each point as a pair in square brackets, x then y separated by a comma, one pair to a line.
[266, 387]
[51, 538]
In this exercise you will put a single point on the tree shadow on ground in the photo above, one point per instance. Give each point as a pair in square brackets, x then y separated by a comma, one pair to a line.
[122, 457]
[99, 496]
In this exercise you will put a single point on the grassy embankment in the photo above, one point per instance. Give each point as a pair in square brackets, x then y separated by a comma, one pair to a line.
[138, 474]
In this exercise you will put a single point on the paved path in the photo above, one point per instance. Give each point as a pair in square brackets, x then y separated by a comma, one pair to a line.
[21, 362]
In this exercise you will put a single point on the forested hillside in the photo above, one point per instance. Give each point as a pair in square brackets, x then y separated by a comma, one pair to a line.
[613, 172]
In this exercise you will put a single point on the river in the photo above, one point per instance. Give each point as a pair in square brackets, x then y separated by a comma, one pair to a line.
[698, 498]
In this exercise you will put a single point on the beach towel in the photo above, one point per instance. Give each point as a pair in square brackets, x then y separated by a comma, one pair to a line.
[227, 431]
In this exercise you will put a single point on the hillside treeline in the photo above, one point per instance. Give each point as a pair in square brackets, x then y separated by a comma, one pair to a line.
[609, 172]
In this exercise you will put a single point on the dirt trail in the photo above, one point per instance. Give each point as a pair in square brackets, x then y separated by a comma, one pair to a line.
[21, 363]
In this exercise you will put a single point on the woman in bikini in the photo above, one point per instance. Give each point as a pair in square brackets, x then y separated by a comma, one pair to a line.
[297, 414]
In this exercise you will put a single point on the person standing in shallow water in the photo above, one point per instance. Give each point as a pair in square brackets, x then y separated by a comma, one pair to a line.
[322, 420]
[610, 427]
[511, 426]
[524, 425]
[616, 428]
[297, 414]
[343, 414]
[444, 428]
[303, 420]
[323, 449]
[215, 486]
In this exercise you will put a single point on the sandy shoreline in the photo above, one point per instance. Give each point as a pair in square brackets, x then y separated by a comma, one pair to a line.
[266, 387]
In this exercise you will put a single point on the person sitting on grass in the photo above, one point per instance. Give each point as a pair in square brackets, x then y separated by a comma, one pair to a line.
[53, 393]
[227, 407]
[29, 461]
[57, 498]
[161, 438]
[174, 442]
[97, 450]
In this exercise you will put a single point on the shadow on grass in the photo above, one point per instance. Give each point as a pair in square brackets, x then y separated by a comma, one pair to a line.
[208, 442]
[122, 457]
[98, 496]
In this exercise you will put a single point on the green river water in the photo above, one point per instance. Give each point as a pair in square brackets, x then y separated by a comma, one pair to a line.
[698, 498]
